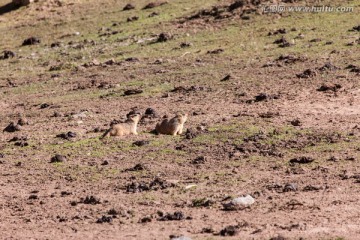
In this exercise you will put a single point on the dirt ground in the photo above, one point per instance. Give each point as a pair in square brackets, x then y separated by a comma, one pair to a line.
[273, 103]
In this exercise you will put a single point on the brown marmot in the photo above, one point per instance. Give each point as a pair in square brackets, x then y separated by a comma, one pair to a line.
[173, 126]
[126, 128]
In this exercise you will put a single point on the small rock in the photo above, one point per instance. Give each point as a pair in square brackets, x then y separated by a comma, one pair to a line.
[290, 187]
[239, 203]
[180, 238]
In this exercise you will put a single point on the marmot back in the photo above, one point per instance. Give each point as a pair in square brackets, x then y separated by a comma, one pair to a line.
[173, 126]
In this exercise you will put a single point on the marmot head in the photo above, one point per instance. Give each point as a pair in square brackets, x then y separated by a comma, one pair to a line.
[134, 117]
[182, 117]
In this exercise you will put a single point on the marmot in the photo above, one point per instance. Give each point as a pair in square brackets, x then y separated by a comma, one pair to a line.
[126, 128]
[172, 126]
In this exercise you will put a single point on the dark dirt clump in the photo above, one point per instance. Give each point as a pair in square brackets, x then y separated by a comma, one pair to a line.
[216, 51]
[282, 42]
[132, 59]
[7, 54]
[128, 7]
[279, 237]
[329, 87]
[31, 41]
[308, 73]
[58, 159]
[141, 143]
[229, 231]
[44, 105]
[156, 184]
[182, 89]
[191, 133]
[302, 160]
[328, 67]
[104, 219]
[226, 78]
[132, 19]
[265, 97]
[356, 28]
[132, 92]
[199, 160]
[137, 167]
[67, 136]
[164, 37]
[278, 31]
[90, 200]
[154, 5]
[12, 127]
[353, 68]
[296, 122]
[176, 216]
[203, 202]
[290, 59]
